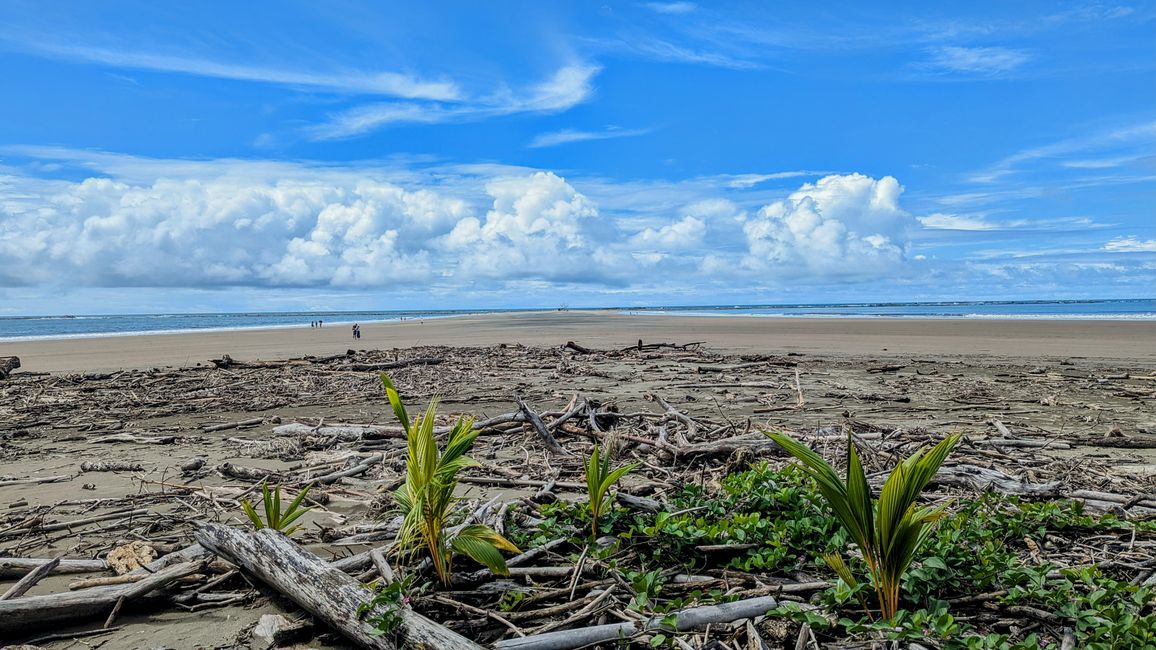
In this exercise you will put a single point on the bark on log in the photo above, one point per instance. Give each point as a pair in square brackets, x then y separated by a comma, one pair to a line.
[29, 581]
[540, 427]
[685, 620]
[15, 567]
[324, 591]
[22, 614]
[7, 365]
[392, 365]
[984, 479]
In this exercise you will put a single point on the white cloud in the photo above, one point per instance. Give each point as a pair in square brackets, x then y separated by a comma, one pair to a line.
[743, 181]
[687, 233]
[566, 88]
[566, 136]
[672, 7]
[940, 221]
[228, 223]
[350, 81]
[1131, 245]
[986, 61]
[840, 225]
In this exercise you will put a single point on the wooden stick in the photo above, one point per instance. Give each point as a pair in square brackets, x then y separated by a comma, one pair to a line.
[30, 580]
[324, 591]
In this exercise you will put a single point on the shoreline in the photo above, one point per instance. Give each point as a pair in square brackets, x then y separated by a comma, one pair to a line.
[1117, 340]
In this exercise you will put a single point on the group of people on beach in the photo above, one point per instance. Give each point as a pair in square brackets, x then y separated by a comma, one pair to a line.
[356, 331]
[315, 323]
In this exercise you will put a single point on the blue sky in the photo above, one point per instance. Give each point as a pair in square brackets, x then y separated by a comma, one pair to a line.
[341, 155]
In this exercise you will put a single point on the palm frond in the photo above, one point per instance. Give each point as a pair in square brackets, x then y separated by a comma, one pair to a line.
[890, 531]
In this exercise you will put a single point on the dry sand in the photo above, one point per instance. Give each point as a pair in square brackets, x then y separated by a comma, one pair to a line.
[1014, 339]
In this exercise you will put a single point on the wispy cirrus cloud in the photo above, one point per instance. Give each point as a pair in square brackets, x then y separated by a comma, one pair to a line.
[1131, 245]
[1135, 138]
[672, 7]
[567, 136]
[566, 88]
[980, 61]
[360, 82]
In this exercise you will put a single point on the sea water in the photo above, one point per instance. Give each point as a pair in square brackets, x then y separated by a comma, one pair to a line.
[36, 327]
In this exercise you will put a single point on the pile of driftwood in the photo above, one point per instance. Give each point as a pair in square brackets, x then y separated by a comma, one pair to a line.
[201, 555]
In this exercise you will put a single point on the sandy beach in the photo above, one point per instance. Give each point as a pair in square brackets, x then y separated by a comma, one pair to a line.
[1073, 399]
[1133, 341]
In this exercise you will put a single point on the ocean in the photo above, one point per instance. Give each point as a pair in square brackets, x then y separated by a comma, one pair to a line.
[38, 327]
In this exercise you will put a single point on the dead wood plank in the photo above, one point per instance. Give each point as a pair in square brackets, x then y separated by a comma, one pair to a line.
[324, 591]
[685, 620]
[14, 567]
[22, 614]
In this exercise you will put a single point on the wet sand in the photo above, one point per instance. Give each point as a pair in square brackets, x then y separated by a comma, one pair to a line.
[1012, 339]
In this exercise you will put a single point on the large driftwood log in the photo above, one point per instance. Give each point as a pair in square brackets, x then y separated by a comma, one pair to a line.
[540, 426]
[685, 620]
[7, 365]
[984, 479]
[21, 614]
[324, 591]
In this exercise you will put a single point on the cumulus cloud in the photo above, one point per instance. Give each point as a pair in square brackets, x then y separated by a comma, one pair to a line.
[840, 225]
[262, 225]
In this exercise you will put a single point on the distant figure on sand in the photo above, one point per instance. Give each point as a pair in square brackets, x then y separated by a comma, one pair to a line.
[356, 331]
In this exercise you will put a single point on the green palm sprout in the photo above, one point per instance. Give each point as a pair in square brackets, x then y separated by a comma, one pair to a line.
[275, 518]
[427, 500]
[599, 480]
[888, 530]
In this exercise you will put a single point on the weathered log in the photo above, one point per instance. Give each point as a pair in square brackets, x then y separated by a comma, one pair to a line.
[984, 479]
[759, 445]
[577, 348]
[540, 427]
[685, 620]
[392, 365]
[22, 614]
[7, 365]
[324, 591]
[29, 581]
[343, 432]
[232, 425]
[111, 466]
[14, 567]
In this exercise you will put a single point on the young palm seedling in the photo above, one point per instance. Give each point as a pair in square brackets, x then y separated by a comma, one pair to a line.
[599, 480]
[889, 530]
[427, 500]
[275, 518]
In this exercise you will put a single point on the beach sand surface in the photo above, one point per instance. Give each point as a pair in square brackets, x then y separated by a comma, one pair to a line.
[1134, 341]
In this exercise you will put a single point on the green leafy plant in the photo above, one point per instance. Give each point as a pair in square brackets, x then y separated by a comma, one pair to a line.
[427, 500]
[383, 611]
[888, 530]
[599, 479]
[275, 517]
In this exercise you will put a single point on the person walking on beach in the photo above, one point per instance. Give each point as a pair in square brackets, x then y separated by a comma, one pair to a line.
[356, 331]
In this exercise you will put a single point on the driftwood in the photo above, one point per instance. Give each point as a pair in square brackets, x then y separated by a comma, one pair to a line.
[29, 581]
[324, 591]
[392, 365]
[685, 620]
[21, 614]
[7, 365]
[984, 479]
[540, 427]
[14, 567]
